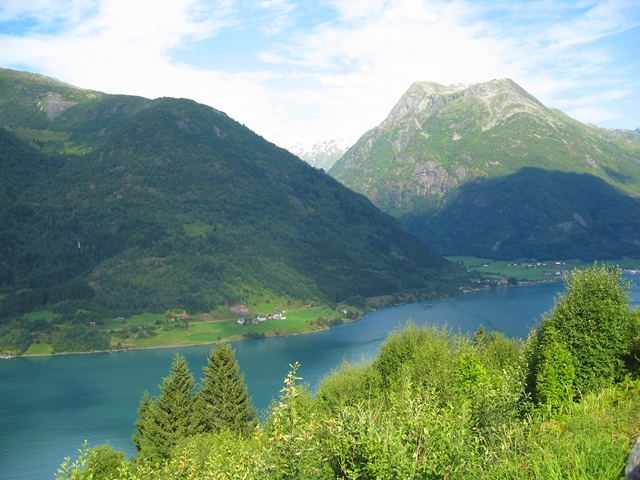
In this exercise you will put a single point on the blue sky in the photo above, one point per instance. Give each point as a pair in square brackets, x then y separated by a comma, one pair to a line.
[299, 71]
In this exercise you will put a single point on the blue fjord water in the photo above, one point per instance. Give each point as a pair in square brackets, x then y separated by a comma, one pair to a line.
[50, 405]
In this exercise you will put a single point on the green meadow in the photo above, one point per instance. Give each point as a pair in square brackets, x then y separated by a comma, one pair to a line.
[145, 319]
[528, 270]
[39, 349]
[298, 321]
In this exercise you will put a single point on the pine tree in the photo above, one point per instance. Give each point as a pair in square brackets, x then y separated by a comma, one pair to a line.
[141, 424]
[225, 404]
[169, 417]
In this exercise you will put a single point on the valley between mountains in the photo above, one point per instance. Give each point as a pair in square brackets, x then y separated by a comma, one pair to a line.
[166, 213]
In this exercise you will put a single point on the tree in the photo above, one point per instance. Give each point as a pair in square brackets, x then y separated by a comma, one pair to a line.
[593, 323]
[555, 373]
[224, 401]
[169, 417]
[141, 424]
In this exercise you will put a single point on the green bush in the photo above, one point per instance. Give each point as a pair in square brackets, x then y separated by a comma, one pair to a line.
[555, 373]
[593, 323]
[431, 405]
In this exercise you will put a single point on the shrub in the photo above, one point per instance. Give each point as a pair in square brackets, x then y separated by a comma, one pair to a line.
[592, 321]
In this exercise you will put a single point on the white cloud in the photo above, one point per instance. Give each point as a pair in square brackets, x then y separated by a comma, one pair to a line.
[330, 69]
[46, 12]
[370, 56]
[278, 15]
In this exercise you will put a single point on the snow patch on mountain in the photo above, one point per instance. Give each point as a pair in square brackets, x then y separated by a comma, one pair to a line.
[321, 154]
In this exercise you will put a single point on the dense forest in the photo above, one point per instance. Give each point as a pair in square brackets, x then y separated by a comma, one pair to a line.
[534, 213]
[432, 405]
[114, 205]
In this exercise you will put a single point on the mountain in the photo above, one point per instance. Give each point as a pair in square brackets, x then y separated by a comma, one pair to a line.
[488, 170]
[116, 203]
[322, 154]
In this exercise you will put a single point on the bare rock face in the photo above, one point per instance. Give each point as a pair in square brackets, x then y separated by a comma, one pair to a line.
[431, 178]
[632, 470]
[53, 104]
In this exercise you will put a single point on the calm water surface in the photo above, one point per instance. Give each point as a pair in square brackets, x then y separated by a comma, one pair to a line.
[50, 405]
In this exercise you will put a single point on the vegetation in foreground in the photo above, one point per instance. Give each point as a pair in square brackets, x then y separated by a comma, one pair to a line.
[565, 403]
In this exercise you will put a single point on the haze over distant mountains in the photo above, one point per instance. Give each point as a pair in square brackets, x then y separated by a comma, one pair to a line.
[119, 203]
[322, 154]
[488, 170]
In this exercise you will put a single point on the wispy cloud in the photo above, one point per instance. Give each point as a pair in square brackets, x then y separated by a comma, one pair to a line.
[309, 71]
[44, 14]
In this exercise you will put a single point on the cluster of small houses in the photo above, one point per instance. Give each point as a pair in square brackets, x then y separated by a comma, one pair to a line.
[261, 318]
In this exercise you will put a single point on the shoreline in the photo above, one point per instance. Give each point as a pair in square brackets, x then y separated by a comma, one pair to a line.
[163, 347]
[159, 347]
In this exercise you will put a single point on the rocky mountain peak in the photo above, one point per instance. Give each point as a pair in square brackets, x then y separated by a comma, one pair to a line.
[439, 141]
[497, 99]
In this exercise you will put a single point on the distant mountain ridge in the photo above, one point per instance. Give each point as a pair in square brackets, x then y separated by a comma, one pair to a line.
[438, 141]
[119, 203]
[321, 154]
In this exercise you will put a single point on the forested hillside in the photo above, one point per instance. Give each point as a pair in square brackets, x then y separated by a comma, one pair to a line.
[488, 170]
[116, 204]
[432, 404]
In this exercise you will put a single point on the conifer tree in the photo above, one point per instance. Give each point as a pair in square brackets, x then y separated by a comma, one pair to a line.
[169, 417]
[141, 423]
[224, 402]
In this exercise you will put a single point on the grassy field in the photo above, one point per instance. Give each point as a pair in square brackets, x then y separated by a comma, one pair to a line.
[163, 339]
[39, 349]
[150, 330]
[530, 270]
[145, 319]
[299, 321]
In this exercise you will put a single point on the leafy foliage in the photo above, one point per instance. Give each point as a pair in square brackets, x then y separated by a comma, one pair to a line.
[293, 430]
[80, 339]
[592, 328]
[555, 371]
[431, 405]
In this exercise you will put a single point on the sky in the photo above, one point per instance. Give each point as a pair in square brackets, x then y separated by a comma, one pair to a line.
[307, 71]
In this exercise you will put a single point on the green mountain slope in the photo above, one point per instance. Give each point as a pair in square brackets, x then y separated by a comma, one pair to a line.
[438, 142]
[121, 203]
